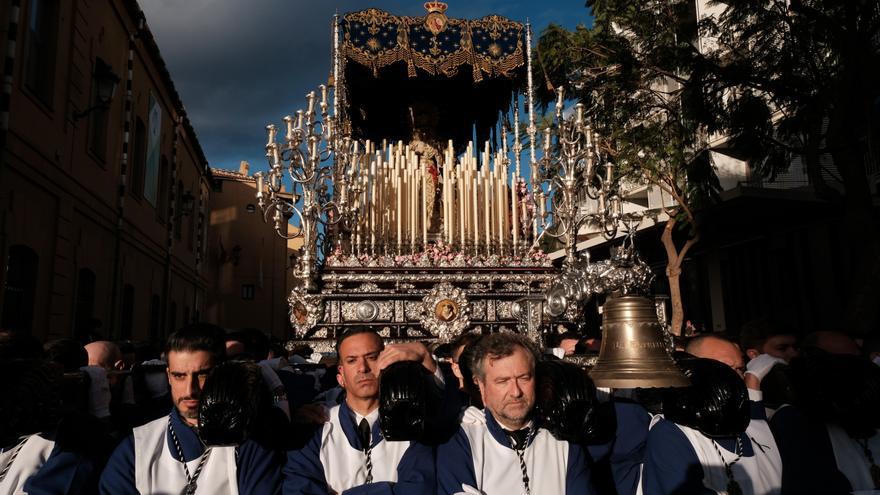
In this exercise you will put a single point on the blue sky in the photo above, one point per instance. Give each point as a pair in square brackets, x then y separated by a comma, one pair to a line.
[241, 64]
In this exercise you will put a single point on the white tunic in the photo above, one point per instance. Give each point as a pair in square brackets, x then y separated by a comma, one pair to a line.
[760, 474]
[497, 468]
[33, 454]
[157, 470]
[345, 466]
[851, 459]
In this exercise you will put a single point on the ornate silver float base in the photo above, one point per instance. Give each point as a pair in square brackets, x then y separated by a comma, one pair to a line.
[427, 304]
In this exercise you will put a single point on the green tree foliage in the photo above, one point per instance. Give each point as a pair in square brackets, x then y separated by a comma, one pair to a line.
[783, 79]
[801, 78]
[630, 70]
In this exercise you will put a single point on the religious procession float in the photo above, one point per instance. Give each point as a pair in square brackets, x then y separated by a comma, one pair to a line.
[423, 201]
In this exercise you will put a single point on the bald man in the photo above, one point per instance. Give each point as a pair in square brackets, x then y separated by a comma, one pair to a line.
[105, 354]
[683, 460]
[108, 388]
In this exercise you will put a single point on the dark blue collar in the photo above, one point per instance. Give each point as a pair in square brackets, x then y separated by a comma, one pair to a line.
[346, 419]
[497, 431]
[729, 444]
[189, 440]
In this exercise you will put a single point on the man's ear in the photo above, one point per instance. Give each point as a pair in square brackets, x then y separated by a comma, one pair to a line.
[479, 384]
[339, 379]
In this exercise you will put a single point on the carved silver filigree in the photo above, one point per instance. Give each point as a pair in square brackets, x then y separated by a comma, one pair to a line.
[535, 258]
[625, 272]
[478, 287]
[367, 288]
[504, 310]
[515, 287]
[367, 311]
[478, 309]
[403, 278]
[323, 346]
[586, 361]
[445, 312]
[413, 310]
[305, 311]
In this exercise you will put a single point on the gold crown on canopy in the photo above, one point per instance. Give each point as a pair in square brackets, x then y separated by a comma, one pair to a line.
[436, 7]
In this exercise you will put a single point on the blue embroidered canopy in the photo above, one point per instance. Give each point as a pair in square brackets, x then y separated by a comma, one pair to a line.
[493, 45]
[448, 78]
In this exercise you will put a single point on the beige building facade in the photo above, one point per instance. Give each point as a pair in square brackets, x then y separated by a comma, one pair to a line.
[104, 196]
[250, 261]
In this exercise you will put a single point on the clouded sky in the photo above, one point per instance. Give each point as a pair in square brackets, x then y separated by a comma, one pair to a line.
[241, 64]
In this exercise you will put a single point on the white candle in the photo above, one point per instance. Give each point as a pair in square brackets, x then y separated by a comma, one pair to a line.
[486, 156]
[487, 194]
[475, 224]
[515, 212]
[502, 211]
[425, 213]
[447, 203]
[398, 211]
[372, 203]
[459, 181]
[414, 200]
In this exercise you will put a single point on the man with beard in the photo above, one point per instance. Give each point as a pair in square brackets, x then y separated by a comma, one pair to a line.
[167, 456]
[348, 453]
[494, 443]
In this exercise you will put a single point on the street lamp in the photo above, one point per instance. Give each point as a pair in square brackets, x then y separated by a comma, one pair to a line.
[105, 81]
[187, 202]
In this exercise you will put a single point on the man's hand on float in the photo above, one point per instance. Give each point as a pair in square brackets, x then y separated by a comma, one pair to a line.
[758, 368]
[410, 351]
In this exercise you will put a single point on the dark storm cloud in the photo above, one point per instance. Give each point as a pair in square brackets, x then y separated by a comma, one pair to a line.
[240, 64]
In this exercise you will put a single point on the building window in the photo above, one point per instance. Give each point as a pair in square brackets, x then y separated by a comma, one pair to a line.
[125, 327]
[98, 118]
[19, 289]
[247, 292]
[84, 321]
[40, 49]
[217, 185]
[250, 208]
[138, 157]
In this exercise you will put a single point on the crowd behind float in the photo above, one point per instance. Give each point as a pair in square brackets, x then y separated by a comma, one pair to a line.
[216, 412]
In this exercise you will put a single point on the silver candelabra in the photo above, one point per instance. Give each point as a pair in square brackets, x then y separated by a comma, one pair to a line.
[321, 163]
[571, 172]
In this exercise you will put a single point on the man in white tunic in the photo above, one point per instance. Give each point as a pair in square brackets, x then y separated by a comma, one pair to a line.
[499, 450]
[166, 456]
[348, 454]
[724, 445]
[39, 454]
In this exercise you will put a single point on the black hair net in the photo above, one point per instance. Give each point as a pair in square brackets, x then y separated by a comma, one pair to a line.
[716, 402]
[839, 389]
[566, 403]
[30, 391]
[408, 402]
[777, 387]
[235, 404]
